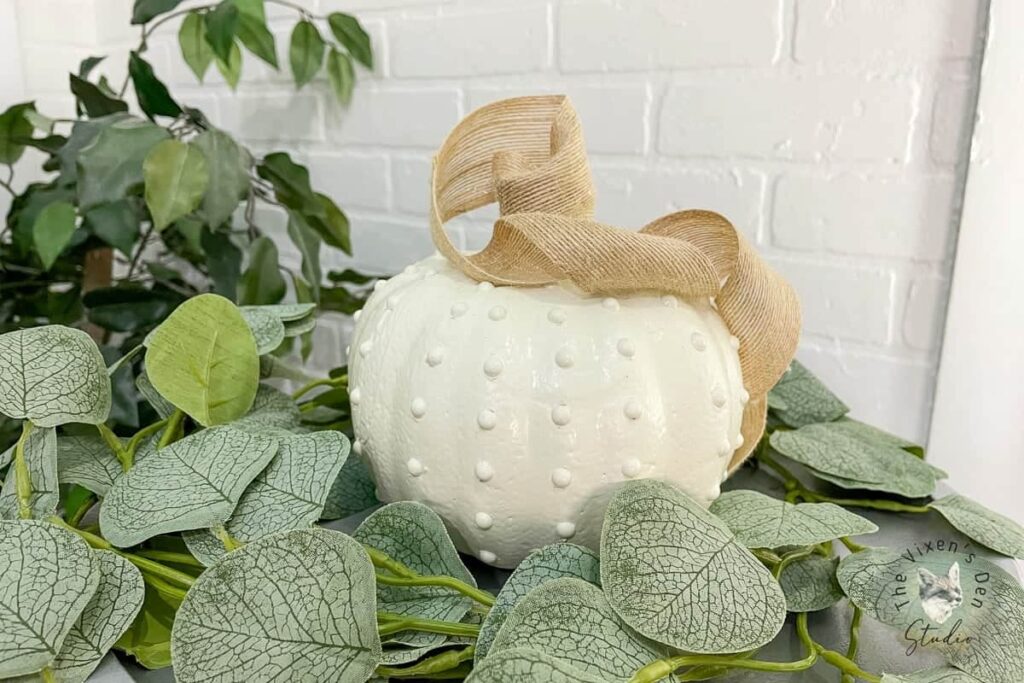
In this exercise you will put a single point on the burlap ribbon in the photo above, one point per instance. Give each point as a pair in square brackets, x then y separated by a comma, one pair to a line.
[528, 155]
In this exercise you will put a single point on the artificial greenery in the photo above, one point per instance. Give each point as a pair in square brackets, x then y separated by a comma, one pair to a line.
[207, 556]
[140, 211]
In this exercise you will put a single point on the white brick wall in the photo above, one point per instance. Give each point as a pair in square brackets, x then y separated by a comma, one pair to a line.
[831, 132]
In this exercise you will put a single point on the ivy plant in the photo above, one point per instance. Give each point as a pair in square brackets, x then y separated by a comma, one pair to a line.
[145, 203]
[197, 545]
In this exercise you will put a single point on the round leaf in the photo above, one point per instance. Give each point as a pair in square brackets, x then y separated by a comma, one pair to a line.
[799, 398]
[203, 360]
[985, 526]
[675, 573]
[810, 584]
[86, 460]
[267, 328]
[352, 492]
[176, 175]
[53, 375]
[293, 606]
[946, 674]
[523, 664]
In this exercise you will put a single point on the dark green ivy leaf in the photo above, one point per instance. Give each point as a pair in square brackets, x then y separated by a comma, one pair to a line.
[223, 262]
[262, 282]
[154, 99]
[95, 102]
[196, 52]
[332, 226]
[127, 308]
[306, 53]
[350, 33]
[308, 244]
[290, 181]
[116, 223]
[52, 231]
[86, 66]
[221, 24]
[144, 10]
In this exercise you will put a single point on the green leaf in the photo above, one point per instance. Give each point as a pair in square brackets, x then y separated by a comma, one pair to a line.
[83, 133]
[49, 575]
[229, 182]
[153, 96]
[550, 562]
[985, 526]
[231, 69]
[262, 282]
[289, 494]
[301, 607]
[14, 125]
[93, 100]
[145, 10]
[571, 619]
[712, 596]
[223, 262]
[521, 664]
[253, 8]
[854, 460]
[52, 231]
[221, 24]
[306, 52]
[348, 31]
[272, 412]
[116, 223]
[111, 165]
[255, 35]
[267, 328]
[290, 181]
[128, 308]
[760, 521]
[176, 176]
[799, 398]
[196, 52]
[886, 585]
[332, 226]
[810, 583]
[866, 432]
[414, 535]
[161, 405]
[41, 460]
[109, 613]
[203, 360]
[148, 639]
[341, 75]
[195, 483]
[308, 245]
[945, 674]
[352, 492]
[53, 375]
[44, 124]
[86, 460]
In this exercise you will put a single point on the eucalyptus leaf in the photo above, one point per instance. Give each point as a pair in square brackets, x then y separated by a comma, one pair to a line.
[809, 583]
[520, 664]
[352, 492]
[800, 398]
[86, 460]
[290, 312]
[52, 231]
[229, 182]
[203, 360]
[49, 576]
[272, 411]
[990, 622]
[111, 165]
[176, 176]
[675, 573]
[550, 562]
[306, 52]
[760, 521]
[53, 375]
[348, 31]
[985, 526]
[161, 405]
[571, 619]
[869, 464]
[110, 612]
[300, 327]
[296, 606]
[866, 432]
[414, 535]
[195, 483]
[288, 494]
[41, 460]
[267, 328]
[196, 52]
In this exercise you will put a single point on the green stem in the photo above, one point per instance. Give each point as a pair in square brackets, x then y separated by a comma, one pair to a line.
[852, 545]
[224, 536]
[483, 597]
[163, 588]
[791, 557]
[325, 382]
[874, 504]
[115, 445]
[174, 423]
[845, 665]
[431, 665]
[183, 559]
[851, 650]
[22, 477]
[86, 505]
[46, 675]
[388, 623]
[141, 435]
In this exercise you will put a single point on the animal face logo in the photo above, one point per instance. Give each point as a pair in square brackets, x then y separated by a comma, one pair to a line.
[940, 595]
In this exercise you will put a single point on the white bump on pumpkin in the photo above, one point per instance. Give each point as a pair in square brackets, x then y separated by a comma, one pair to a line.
[718, 396]
[670, 302]
[357, 446]
[561, 477]
[435, 356]
[563, 358]
[484, 470]
[415, 467]
[633, 409]
[391, 302]
[611, 303]
[734, 342]
[485, 286]
[626, 348]
[739, 440]
[355, 396]
[487, 556]
[561, 415]
[725, 475]
[357, 315]
[699, 341]
[484, 520]
[497, 313]
[744, 396]
[365, 347]
[487, 419]
[557, 315]
[378, 285]
[493, 366]
[725, 449]
[566, 529]
[459, 308]
[348, 350]
[631, 468]
[418, 407]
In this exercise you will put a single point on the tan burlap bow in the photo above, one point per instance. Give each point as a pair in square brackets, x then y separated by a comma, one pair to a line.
[528, 155]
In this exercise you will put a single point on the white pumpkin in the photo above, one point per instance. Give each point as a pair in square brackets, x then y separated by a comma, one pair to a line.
[515, 412]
